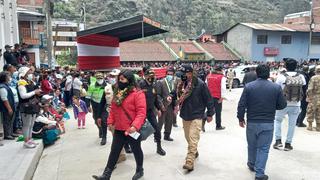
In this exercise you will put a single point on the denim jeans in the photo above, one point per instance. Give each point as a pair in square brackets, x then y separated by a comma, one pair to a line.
[259, 138]
[293, 113]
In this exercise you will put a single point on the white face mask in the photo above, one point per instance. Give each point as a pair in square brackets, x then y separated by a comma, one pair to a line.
[100, 81]
[30, 77]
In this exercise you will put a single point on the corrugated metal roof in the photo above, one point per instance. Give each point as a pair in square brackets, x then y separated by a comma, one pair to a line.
[28, 12]
[282, 27]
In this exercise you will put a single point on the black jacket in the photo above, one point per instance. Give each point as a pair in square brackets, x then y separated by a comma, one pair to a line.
[260, 99]
[10, 58]
[150, 91]
[195, 105]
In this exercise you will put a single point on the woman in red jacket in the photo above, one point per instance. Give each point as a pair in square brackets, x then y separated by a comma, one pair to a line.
[46, 86]
[127, 115]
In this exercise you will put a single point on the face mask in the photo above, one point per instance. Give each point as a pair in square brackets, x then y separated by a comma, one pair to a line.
[112, 81]
[30, 77]
[150, 80]
[15, 75]
[122, 85]
[100, 81]
[169, 77]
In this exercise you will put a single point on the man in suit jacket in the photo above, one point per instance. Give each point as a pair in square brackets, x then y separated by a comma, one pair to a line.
[165, 88]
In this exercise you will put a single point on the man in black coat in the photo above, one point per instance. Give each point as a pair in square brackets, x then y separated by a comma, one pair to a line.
[193, 100]
[9, 56]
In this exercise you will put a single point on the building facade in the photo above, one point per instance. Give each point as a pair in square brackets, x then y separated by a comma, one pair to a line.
[8, 25]
[274, 42]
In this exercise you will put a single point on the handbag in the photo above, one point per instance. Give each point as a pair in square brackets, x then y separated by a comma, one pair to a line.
[146, 129]
[30, 107]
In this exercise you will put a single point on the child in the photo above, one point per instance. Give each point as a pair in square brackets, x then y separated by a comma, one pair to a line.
[80, 110]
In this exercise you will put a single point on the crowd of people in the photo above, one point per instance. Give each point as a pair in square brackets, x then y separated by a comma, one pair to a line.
[35, 102]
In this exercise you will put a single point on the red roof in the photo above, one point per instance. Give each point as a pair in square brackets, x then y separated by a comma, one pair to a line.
[187, 47]
[218, 51]
[144, 51]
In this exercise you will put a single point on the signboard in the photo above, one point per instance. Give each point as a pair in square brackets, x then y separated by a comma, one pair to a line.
[195, 57]
[271, 51]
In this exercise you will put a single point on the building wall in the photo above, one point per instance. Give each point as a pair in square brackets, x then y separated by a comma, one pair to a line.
[298, 48]
[240, 38]
[8, 25]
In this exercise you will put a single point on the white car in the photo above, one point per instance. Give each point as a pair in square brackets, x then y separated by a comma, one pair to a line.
[240, 71]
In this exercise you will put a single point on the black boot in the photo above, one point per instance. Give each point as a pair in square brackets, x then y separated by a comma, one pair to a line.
[127, 148]
[160, 151]
[105, 176]
[139, 173]
[103, 141]
[167, 137]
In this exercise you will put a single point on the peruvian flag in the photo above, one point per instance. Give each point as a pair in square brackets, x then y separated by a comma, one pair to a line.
[97, 52]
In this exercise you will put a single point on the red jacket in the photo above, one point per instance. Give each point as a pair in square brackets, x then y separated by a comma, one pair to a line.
[46, 86]
[214, 84]
[135, 105]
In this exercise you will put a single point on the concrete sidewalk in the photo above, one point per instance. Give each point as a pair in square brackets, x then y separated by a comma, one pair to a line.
[18, 163]
[223, 154]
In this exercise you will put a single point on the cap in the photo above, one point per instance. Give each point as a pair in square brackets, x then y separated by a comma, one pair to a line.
[7, 46]
[99, 75]
[115, 72]
[149, 72]
[23, 71]
[186, 68]
[59, 76]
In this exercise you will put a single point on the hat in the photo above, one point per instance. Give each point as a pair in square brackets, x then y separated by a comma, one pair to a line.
[149, 72]
[46, 98]
[99, 75]
[23, 71]
[6, 67]
[7, 46]
[115, 72]
[186, 68]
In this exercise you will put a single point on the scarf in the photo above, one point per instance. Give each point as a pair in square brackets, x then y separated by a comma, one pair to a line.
[185, 92]
[121, 95]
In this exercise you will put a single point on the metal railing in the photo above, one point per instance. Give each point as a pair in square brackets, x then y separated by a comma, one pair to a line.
[30, 36]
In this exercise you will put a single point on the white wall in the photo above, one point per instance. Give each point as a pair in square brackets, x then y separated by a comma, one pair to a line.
[8, 25]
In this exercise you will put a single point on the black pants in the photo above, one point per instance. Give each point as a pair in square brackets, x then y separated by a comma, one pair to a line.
[302, 115]
[96, 108]
[7, 124]
[166, 119]
[119, 139]
[67, 98]
[218, 110]
[17, 122]
[153, 121]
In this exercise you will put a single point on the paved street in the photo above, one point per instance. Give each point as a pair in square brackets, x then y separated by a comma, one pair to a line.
[78, 155]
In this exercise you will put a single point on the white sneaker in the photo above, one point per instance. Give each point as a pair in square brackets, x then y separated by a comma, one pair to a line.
[29, 145]
[83, 127]
[79, 127]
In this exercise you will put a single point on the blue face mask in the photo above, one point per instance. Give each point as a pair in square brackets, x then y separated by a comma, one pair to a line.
[169, 77]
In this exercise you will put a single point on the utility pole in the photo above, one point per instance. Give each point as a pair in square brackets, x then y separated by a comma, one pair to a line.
[49, 12]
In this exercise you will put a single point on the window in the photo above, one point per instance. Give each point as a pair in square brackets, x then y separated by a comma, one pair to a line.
[262, 39]
[286, 39]
[315, 40]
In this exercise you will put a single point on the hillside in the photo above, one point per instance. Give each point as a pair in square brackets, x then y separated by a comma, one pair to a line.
[185, 18]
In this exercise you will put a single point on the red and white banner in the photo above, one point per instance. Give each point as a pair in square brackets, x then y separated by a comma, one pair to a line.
[98, 52]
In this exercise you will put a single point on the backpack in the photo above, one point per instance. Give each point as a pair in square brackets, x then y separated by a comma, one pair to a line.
[293, 88]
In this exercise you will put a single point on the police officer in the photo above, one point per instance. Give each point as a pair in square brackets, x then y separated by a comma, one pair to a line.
[97, 96]
[148, 85]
